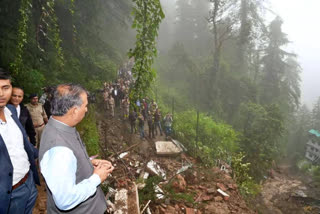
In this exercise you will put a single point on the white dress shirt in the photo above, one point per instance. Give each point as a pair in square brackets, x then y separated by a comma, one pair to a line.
[13, 139]
[18, 110]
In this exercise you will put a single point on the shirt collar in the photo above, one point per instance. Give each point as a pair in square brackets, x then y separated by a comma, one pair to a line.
[7, 114]
[60, 125]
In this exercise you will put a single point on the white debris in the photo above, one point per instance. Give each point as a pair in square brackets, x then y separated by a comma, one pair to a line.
[184, 168]
[148, 211]
[110, 206]
[159, 192]
[146, 175]
[225, 195]
[180, 145]
[122, 155]
[155, 169]
[111, 192]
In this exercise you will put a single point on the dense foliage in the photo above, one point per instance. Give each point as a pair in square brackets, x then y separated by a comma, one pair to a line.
[214, 140]
[219, 57]
[239, 72]
[47, 42]
[148, 16]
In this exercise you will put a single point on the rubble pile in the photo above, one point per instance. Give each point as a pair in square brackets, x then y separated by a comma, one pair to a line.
[179, 183]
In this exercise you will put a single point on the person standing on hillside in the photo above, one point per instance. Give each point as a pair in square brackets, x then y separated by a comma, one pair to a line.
[73, 179]
[23, 113]
[125, 107]
[38, 115]
[141, 125]
[167, 125]
[111, 105]
[18, 171]
[150, 120]
[132, 118]
[157, 122]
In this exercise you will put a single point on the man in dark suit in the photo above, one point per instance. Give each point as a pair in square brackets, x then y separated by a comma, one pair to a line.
[23, 113]
[18, 171]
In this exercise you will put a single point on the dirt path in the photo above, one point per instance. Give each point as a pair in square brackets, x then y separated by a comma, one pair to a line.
[287, 193]
[197, 186]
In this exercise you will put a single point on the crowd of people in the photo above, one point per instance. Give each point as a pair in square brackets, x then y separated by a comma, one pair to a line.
[72, 178]
[42, 134]
[116, 96]
[149, 112]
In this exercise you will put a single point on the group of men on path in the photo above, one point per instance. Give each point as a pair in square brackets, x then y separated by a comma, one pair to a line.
[72, 178]
[150, 113]
[32, 115]
[115, 95]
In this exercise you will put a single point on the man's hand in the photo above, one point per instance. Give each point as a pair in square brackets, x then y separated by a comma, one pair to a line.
[96, 162]
[102, 168]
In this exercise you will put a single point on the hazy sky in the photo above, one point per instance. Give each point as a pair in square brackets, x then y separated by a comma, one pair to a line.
[301, 23]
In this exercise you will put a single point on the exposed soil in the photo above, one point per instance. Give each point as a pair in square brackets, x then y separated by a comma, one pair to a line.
[198, 184]
[201, 183]
[288, 193]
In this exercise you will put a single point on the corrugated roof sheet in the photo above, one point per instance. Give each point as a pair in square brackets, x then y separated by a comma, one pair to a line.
[315, 132]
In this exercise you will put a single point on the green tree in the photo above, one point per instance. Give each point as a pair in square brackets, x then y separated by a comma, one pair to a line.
[147, 18]
[298, 129]
[316, 115]
[262, 128]
[273, 63]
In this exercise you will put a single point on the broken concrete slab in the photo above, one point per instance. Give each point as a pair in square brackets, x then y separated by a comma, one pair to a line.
[167, 148]
[133, 199]
[155, 169]
[121, 201]
[127, 200]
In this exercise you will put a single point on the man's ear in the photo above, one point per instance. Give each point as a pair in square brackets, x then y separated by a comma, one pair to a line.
[74, 110]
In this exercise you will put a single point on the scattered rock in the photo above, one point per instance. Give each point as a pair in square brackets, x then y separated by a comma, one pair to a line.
[179, 184]
[232, 186]
[221, 186]
[211, 190]
[190, 210]
[217, 208]
[170, 210]
[218, 198]
[206, 198]
[191, 177]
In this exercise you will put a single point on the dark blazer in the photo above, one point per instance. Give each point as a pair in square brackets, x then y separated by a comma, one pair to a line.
[6, 168]
[26, 122]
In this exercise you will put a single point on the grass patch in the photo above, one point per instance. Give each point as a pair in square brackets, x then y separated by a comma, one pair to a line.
[89, 132]
[178, 196]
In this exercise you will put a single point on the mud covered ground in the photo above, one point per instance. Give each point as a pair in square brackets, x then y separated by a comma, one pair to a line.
[288, 193]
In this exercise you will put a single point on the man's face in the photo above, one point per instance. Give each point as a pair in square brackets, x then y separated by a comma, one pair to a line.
[34, 100]
[81, 111]
[17, 96]
[5, 92]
